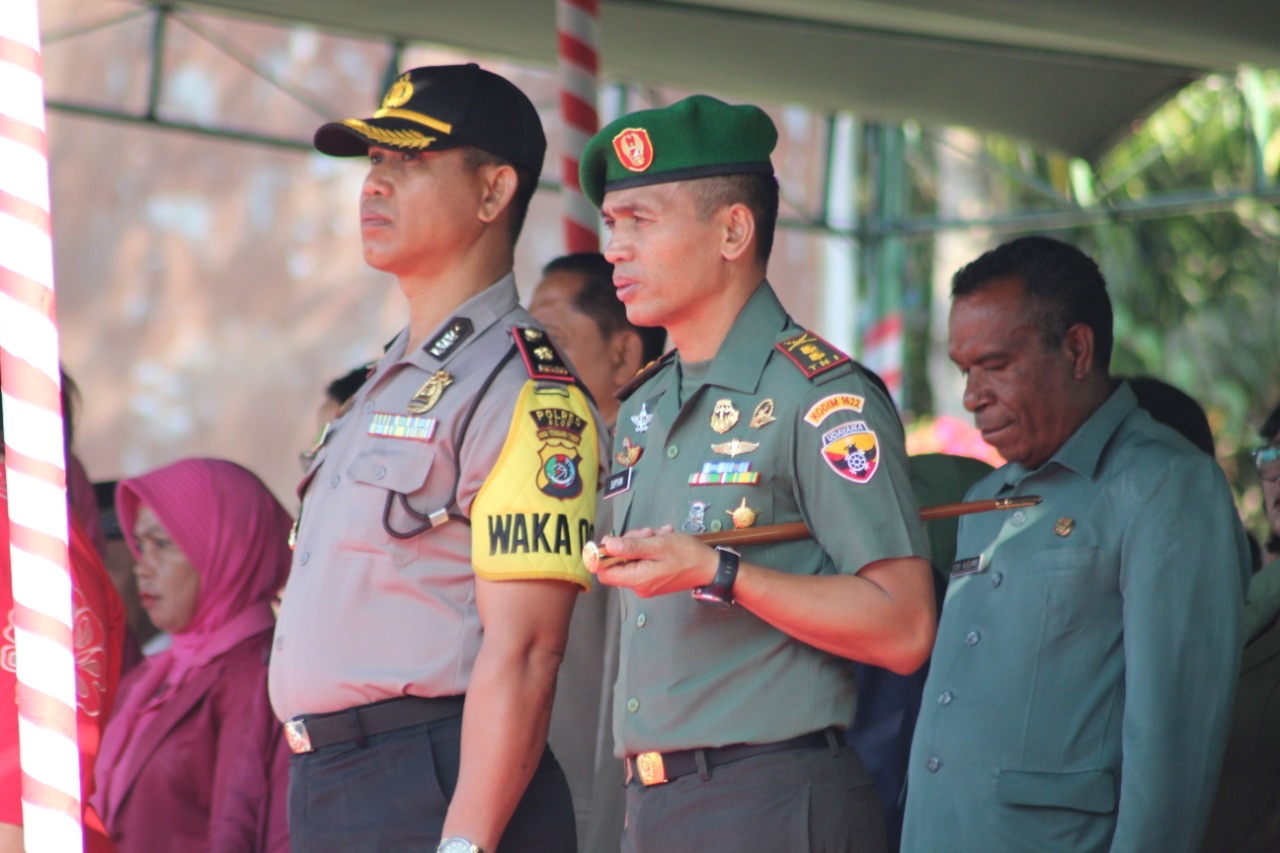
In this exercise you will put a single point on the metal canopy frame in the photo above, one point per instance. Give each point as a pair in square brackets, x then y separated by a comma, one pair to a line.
[885, 217]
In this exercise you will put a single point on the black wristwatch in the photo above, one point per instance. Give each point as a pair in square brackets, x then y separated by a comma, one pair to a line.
[720, 590]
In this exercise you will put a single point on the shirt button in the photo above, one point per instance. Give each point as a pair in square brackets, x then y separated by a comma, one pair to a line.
[304, 557]
[932, 764]
[945, 698]
[716, 525]
[333, 481]
[633, 705]
[368, 407]
[997, 579]
[672, 451]
[971, 638]
[379, 472]
[1019, 518]
[279, 644]
[640, 620]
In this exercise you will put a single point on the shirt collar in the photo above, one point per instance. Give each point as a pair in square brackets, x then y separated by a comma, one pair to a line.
[481, 311]
[1082, 452]
[740, 361]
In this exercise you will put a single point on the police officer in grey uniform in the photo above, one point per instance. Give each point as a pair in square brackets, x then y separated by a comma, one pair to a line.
[439, 546]
[731, 687]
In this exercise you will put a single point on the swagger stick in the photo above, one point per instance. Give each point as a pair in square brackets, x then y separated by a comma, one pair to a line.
[594, 558]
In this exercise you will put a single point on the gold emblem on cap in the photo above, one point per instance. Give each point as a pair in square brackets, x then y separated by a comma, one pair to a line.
[1064, 526]
[734, 447]
[634, 149]
[763, 414]
[723, 416]
[429, 394]
[399, 93]
[743, 516]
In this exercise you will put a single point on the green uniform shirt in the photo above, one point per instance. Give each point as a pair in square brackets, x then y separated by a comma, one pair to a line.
[695, 675]
[1080, 688]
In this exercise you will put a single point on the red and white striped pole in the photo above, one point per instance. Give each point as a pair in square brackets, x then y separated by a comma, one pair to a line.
[578, 28]
[34, 457]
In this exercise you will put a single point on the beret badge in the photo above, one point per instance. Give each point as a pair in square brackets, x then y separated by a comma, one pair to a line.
[399, 93]
[634, 149]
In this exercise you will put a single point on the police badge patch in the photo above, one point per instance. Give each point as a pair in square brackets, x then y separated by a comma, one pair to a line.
[560, 431]
[852, 451]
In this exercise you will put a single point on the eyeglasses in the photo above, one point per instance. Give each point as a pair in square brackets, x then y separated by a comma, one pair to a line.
[1267, 459]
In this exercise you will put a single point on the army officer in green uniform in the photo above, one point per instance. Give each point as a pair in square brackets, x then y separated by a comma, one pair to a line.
[731, 687]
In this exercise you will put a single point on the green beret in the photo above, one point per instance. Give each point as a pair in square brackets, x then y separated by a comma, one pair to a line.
[695, 138]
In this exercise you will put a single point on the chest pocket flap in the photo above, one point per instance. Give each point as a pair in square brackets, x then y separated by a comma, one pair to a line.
[397, 465]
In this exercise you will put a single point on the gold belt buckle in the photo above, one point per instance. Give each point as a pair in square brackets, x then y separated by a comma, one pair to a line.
[295, 732]
[649, 767]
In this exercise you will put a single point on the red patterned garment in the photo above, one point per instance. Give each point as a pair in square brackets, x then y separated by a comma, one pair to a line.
[98, 631]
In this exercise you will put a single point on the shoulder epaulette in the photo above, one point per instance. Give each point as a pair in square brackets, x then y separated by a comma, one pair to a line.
[642, 376]
[540, 356]
[811, 354]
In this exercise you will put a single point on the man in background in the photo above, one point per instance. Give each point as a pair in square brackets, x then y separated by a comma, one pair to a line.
[577, 305]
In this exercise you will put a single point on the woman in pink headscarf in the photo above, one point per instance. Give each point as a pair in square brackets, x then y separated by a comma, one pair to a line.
[193, 759]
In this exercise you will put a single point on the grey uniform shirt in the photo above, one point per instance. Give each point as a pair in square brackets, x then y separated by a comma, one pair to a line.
[367, 616]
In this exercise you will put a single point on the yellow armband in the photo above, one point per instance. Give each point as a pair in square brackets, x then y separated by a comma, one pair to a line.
[536, 510]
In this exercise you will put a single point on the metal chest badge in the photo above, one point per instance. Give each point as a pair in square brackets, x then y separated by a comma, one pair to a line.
[629, 454]
[734, 446]
[429, 394]
[724, 416]
[696, 522]
[743, 516]
[642, 419]
[763, 414]
[1064, 526]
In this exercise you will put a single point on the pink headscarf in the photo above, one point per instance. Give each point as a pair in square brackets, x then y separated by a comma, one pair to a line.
[228, 525]
[235, 535]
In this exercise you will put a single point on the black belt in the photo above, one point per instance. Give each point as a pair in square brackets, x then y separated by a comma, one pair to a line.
[316, 731]
[654, 768]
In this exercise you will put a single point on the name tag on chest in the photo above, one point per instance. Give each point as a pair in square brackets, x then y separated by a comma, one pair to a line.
[616, 484]
[969, 566]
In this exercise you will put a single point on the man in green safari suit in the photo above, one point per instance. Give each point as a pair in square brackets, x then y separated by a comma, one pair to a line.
[731, 688]
[1080, 689]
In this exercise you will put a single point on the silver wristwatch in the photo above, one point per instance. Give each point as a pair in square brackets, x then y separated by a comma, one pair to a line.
[457, 845]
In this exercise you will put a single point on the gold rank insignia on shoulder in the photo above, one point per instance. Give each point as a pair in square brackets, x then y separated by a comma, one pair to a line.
[723, 416]
[734, 446]
[539, 356]
[811, 353]
[1064, 526]
[763, 414]
[429, 394]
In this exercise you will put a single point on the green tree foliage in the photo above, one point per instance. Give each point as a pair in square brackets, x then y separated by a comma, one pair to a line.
[1197, 295]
